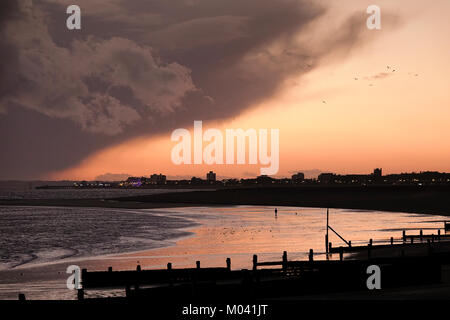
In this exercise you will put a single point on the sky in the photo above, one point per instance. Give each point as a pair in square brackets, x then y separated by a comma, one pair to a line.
[103, 101]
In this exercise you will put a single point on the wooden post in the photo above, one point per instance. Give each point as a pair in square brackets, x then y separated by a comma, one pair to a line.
[136, 285]
[350, 243]
[412, 239]
[369, 249]
[370, 241]
[80, 294]
[255, 262]
[22, 297]
[169, 269]
[109, 269]
[341, 253]
[229, 264]
[392, 241]
[83, 274]
[421, 235]
[198, 264]
[404, 236]
[284, 260]
[326, 243]
[311, 255]
[439, 234]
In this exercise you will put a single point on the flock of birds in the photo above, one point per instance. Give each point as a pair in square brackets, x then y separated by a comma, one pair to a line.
[390, 69]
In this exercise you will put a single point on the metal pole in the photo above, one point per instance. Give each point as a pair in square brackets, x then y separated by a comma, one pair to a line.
[339, 235]
[328, 227]
[328, 213]
[327, 230]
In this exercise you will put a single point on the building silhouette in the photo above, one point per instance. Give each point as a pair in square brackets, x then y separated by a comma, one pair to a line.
[211, 177]
[298, 178]
[158, 179]
[378, 172]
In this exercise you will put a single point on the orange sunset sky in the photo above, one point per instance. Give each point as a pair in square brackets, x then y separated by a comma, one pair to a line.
[351, 114]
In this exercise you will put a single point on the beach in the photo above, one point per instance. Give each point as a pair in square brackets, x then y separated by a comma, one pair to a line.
[212, 234]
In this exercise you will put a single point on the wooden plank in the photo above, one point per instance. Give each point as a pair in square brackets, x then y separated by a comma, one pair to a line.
[100, 279]
[427, 236]
[270, 263]
[291, 269]
[382, 246]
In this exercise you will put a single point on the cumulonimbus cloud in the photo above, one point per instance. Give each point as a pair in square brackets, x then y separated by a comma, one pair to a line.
[143, 67]
[58, 81]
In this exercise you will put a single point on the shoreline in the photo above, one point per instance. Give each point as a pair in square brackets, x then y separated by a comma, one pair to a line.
[189, 231]
[214, 227]
[47, 280]
[91, 203]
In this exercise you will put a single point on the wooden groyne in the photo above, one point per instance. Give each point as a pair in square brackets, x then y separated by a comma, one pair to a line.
[139, 277]
[413, 259]
[269, 278]
[407, 241]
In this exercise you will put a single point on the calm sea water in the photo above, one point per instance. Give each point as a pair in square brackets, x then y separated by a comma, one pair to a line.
[24, 193]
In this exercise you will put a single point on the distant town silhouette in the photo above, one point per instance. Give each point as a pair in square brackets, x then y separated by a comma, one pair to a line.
[298, 179]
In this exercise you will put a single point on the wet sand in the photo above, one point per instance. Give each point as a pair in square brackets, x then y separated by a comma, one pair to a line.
[433, 199]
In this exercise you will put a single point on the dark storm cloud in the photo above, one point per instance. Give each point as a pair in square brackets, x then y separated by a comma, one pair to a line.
[143, 67]
[8, 53]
